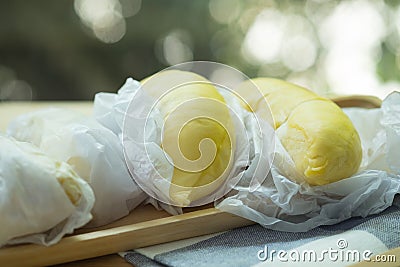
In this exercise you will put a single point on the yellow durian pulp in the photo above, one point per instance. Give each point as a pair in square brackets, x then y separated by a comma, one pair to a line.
[317, 134]
[197, 132]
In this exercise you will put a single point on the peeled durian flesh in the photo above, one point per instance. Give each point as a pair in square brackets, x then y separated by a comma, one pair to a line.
[197, 133]
[317, 134]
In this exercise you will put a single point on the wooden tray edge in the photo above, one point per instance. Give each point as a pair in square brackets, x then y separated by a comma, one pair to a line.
[104, 242]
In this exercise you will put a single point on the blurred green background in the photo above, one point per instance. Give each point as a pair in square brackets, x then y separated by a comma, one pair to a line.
[70, 50]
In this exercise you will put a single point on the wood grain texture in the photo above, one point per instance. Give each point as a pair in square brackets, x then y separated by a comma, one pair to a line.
[113, 260]
[361, 101]
[108, 241]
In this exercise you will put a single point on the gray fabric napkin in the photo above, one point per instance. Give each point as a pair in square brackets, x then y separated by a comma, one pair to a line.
[246, 246]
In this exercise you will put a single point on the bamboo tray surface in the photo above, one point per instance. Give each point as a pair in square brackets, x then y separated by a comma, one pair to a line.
[145, 226]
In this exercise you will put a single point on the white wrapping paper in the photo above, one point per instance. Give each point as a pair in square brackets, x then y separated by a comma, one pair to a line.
[34, 207]
[93, 151]
[109, 110]
[282, 204]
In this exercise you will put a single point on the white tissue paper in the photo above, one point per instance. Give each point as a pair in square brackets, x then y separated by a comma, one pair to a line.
[34, 207]
[109, 110]
[92, 150]
[281, 204]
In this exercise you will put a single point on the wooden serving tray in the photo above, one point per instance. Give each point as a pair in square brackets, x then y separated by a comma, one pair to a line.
[139, 229]
[145, 226]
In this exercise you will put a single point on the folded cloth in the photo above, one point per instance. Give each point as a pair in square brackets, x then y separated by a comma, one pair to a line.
[342, 244]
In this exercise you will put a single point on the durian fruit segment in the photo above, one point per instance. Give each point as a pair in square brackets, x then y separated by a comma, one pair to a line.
[198, 132]
[316, 133]
[282, 97]
[71, 189]
[322, 142]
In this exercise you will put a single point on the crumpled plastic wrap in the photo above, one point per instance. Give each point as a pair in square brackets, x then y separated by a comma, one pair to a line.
[109, 110]
[34, 207]
[281, 204]
[93, 151]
